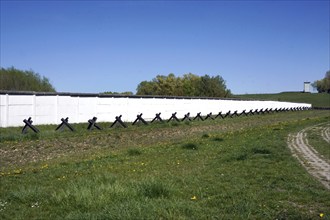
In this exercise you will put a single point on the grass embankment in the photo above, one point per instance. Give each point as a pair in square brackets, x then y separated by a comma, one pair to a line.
[238, 168]
[316, 99]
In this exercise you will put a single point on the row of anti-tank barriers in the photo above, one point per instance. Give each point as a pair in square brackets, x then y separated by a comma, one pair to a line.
[92, 122]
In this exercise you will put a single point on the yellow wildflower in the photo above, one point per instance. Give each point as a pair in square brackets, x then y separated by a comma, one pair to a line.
[321, 215]
[193, 198]
[19, 171]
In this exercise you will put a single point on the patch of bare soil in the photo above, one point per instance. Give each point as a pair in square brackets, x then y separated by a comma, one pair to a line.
[314, 163]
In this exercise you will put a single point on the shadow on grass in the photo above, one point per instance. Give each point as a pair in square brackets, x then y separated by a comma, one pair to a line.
[134, 152]
[218, 139]
[190, 146]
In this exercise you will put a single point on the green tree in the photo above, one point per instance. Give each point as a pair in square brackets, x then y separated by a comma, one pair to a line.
[18, 80]
[188, 85]
[323, 85]
[146, 88]
[213, 86]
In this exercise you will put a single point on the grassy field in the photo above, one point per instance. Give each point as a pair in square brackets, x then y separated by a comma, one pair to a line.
[316, 140]
[236, 168]
[316, 99]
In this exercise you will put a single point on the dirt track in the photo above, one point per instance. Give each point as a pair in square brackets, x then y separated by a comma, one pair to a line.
[326, 134]
[314, 163]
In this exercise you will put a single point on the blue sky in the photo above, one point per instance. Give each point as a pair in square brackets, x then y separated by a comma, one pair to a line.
[97, 46]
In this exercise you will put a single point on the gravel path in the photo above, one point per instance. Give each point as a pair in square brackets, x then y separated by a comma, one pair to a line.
[314, 163]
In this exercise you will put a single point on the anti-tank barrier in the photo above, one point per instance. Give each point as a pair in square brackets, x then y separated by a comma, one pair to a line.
[50, 108]
[118, 121]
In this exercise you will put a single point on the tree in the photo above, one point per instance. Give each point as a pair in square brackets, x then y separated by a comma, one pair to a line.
[212, 86]
[323, 85]
[145, 88]
[18, 80]
[188, 85]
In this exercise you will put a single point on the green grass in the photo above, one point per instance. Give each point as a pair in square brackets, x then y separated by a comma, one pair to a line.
[316, 99]
[238, 168]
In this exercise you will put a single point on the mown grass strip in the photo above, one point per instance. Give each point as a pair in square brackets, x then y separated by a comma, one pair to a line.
[317, 139]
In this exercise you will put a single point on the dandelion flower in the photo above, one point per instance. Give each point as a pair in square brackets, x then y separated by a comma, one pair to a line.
[321, 215]
[193, 198]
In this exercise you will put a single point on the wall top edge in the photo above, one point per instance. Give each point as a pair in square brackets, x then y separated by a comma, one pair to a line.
[101, 95]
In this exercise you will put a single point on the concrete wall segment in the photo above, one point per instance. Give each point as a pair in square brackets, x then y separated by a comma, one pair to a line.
[49, 109]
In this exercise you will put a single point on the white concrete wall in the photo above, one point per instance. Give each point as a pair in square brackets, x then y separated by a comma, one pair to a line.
[49, 109]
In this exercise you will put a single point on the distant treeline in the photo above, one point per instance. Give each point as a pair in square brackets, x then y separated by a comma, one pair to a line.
[187, 85]
[13, 79]
[18, 80]
[323, 85]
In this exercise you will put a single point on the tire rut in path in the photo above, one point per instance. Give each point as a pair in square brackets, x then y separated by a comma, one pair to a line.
[314, 163]
[326, 134]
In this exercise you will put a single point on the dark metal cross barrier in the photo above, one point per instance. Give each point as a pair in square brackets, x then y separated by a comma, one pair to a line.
[28, 124]
[92, 123]
[186, 117]
[227, 114]
[234, 114]
[118, 119]
[157, 117]
[278, 110]
[173, 117]
[65, 122]
[209, 116]
[297, 109]
[139, 118]
[251, 112]
[219, 115]
[258, 112]
[198, 116]
[243, 113]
